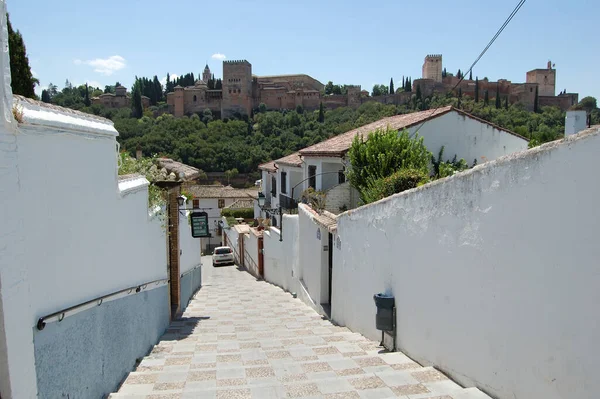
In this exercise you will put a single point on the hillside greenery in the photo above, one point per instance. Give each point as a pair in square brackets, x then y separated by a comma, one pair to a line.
[243, 143]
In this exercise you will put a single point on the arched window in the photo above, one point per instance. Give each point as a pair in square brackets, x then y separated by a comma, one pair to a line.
[195, 98]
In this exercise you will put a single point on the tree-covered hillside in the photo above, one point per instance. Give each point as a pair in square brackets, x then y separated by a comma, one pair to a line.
[243, 143]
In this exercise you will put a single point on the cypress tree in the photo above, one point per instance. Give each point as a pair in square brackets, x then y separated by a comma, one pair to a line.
[506, 102]
[45, 96]
[444, 73]
[409, 84]
[391, 85]
[476, 89]
[21, 79]
[86, 100]
[486, 98]
[321, 113]
[158, 90]
[136, 106]
[471, 74]
[419, 92]
[535, 100]
[498, 103]
[459, 74]
[459, 96]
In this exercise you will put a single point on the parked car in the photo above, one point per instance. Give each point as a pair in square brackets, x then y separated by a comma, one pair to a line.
[223, 256]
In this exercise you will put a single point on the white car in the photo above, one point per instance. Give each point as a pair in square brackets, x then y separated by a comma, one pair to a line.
[223, 256]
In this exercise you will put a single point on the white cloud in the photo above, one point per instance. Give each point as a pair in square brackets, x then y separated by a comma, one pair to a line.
[105, 66]
[163, 81]
[218, 56]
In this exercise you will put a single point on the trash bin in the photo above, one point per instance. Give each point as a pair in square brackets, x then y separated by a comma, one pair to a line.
[384, 320]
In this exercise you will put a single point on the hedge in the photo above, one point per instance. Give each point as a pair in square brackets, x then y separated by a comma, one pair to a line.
[402, 180]
[245, 213]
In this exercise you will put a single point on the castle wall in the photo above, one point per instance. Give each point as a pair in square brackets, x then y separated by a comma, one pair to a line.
[564, 102]
[292, 81]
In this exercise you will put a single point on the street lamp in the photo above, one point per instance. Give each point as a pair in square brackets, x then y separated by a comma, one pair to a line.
[262, 200]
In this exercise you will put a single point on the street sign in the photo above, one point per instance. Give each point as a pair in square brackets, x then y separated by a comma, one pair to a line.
[199, 224]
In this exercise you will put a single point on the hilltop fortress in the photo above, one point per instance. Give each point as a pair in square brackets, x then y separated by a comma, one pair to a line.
[242, 91]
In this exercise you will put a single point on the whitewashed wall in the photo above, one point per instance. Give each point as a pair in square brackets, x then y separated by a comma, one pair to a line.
[281, 257]
[232, 238]
[312, 259]
[251, 249]
[495, 272]
[467, 138]
[85, 234]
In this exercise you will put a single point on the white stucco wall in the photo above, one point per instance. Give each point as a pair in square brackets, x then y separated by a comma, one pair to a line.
[71, 233]
[467, 138]
[495, 272]
[312, 259]
[251, 249]
[232, 239]
[281, 257]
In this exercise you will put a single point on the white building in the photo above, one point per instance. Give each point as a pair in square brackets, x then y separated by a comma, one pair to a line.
[460, 133]
[212, 200]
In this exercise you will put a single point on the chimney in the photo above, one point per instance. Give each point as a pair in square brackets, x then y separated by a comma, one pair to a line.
[575, 121]
[138, 153]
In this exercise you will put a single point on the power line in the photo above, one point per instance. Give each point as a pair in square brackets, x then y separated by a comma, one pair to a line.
[506, 22]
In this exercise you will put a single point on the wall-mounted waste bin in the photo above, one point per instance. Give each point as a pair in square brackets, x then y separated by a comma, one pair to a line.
[384, 320]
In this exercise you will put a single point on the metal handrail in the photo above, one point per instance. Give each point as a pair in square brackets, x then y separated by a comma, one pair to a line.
[61, 314]
[191, 270]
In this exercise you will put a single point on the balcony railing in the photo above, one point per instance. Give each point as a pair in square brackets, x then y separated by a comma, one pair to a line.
[287, 202]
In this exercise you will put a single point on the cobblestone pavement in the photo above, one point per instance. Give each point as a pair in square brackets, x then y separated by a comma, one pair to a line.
[242, 338]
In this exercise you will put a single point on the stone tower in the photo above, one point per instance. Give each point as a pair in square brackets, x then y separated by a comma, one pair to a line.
[178, 103]
[545, 78]
[237, 88]
[432, 67]
[206, 74]
[353, 94]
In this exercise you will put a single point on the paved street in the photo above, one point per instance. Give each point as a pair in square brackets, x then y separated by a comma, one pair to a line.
[241, 338]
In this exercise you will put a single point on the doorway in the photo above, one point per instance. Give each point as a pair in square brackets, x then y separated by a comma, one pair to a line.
[330, 257]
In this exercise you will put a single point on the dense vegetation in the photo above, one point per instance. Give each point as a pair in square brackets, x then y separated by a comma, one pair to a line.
[242, 143]
[22, 81]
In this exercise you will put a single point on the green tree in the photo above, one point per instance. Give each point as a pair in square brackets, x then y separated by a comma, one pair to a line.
[231, 173]
[587, 103]
[383, 153]
[137, 109]
[459, 96]
[321, 117]
[262, 107]
[486, 98]
[409, 84]
[498, 103]
[476, 89]
[86, 100]
[536, 101]
[45, 96]
[444, 73]
[459, 74]
[22, 81]
[207, 116]
[506, 102]
[392, 86]
[419, 94]
[471, 74]
[329, 87]
[299, 109]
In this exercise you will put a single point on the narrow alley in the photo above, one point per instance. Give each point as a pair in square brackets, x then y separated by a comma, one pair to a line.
[243, 338]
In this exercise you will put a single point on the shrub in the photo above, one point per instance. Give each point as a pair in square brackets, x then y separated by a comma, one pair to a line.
[402, 180]
[245, 213]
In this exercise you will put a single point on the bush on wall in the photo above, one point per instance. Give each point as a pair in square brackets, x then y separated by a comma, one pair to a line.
[245, 213]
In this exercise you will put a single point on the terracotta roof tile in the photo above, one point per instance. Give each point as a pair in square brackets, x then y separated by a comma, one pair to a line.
[290, 160]
[268, 166]
[339, 144]
[189, 172]
[217, 191]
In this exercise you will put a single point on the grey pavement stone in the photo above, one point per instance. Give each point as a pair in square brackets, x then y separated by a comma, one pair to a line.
[242, 338]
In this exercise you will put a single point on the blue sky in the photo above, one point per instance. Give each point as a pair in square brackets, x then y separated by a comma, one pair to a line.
[346, 41]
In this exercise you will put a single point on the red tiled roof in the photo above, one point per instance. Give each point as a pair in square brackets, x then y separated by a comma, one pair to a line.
[339, 144]
[289, 160]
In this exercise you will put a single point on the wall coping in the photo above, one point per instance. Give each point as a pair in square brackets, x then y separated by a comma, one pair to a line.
[482, 168]
[40, 114]
[133, 184]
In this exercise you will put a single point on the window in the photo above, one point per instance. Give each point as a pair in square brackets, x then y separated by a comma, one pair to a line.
[196, 203]
[284, 182]
[222, 251]
[221, 203]
[195, 98]
[273, 186]
[312, 178]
